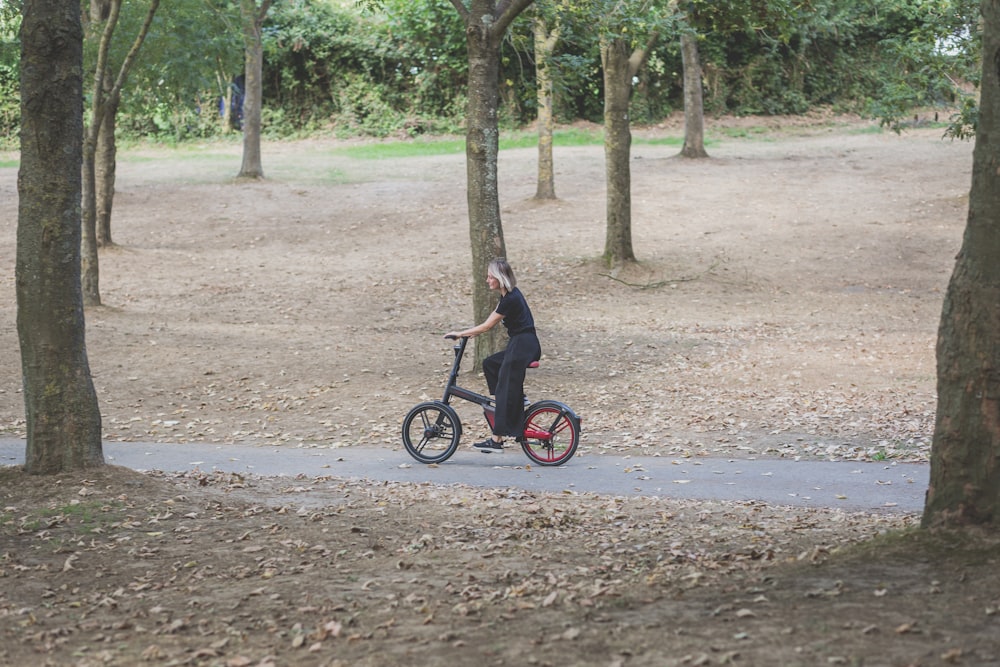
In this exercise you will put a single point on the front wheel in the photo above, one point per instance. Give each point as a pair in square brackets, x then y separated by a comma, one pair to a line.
[431, 431]
[551, 433]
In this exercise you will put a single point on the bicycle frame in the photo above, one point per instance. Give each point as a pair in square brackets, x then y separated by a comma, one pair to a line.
[452, 388]
[488, 404]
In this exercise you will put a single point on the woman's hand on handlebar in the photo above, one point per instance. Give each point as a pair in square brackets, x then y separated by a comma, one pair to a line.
[490, 322]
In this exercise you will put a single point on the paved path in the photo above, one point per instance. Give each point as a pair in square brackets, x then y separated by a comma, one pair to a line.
[850, 486]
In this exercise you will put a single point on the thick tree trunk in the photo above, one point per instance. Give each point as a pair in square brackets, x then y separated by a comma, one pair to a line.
[545, 43]
[617, 150]
[105, 162]
[965, 455]
[253, 20]
[481, 150]
[63, 417]
[485, 22]
[694, 108]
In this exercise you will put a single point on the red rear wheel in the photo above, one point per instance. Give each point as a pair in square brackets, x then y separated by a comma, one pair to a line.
[551, 433]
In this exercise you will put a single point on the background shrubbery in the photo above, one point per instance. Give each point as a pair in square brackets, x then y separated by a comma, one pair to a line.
[331, 68]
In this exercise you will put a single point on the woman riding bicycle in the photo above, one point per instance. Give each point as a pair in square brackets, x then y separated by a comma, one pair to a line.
[505, 370]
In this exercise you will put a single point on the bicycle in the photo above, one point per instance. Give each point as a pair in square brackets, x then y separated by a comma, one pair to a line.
[431, 430]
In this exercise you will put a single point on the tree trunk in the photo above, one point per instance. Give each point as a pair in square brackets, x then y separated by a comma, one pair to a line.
[106, 95]
[99, 10]
[965, 455]
[89, 258]
[104, 171]
[63, 416]
[694, 108]
[226, 113]
[617, 150]
[545, 43]
[485, 22]
[481, 151]
[253, 21]
[90, 265]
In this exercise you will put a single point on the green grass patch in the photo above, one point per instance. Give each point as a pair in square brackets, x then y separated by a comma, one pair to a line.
[83, 518]
[753, 132]
[392, 150]
[213, 163]
[210, 166]
[203, 156]
[869, 129]
[570, 136]
[668, 141]
[296, 174]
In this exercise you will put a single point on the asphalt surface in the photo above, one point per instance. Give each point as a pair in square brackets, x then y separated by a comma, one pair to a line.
[847, 485]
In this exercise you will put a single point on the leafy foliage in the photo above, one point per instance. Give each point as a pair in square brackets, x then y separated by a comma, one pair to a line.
[188, 61]
[400, 67]
[931, 59]
[10, 98]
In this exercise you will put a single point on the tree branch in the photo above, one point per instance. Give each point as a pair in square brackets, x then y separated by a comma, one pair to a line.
[662, 283]
[134, 51]
[639, 55]
[97, 110]
[507, 11]
[264, 8]
[462, 11]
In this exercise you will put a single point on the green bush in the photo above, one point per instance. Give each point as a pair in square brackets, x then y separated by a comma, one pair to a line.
[10, 105]
[10, 95]
[364, 108]
[328, 67]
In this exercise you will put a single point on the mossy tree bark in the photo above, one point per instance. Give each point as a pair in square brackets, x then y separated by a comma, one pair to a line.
[105, 165]
[965, 455]
[485, 22]
[694, 106]
[545, 44]
[617, 150]
[63, 416]
[252, 18]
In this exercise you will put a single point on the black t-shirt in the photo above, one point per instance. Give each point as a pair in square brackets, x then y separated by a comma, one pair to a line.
[516, 314]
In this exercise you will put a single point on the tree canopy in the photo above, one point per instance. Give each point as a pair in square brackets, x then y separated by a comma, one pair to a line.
[400, 67]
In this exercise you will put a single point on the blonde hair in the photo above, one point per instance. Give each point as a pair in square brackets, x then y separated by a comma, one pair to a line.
[500, 269]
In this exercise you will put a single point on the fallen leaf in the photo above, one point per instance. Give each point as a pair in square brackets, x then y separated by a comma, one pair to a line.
[68, 564]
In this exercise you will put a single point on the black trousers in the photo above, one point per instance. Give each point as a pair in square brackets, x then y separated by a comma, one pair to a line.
[504, 373]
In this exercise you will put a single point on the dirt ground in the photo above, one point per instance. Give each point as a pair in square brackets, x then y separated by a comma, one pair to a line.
[785, 305]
